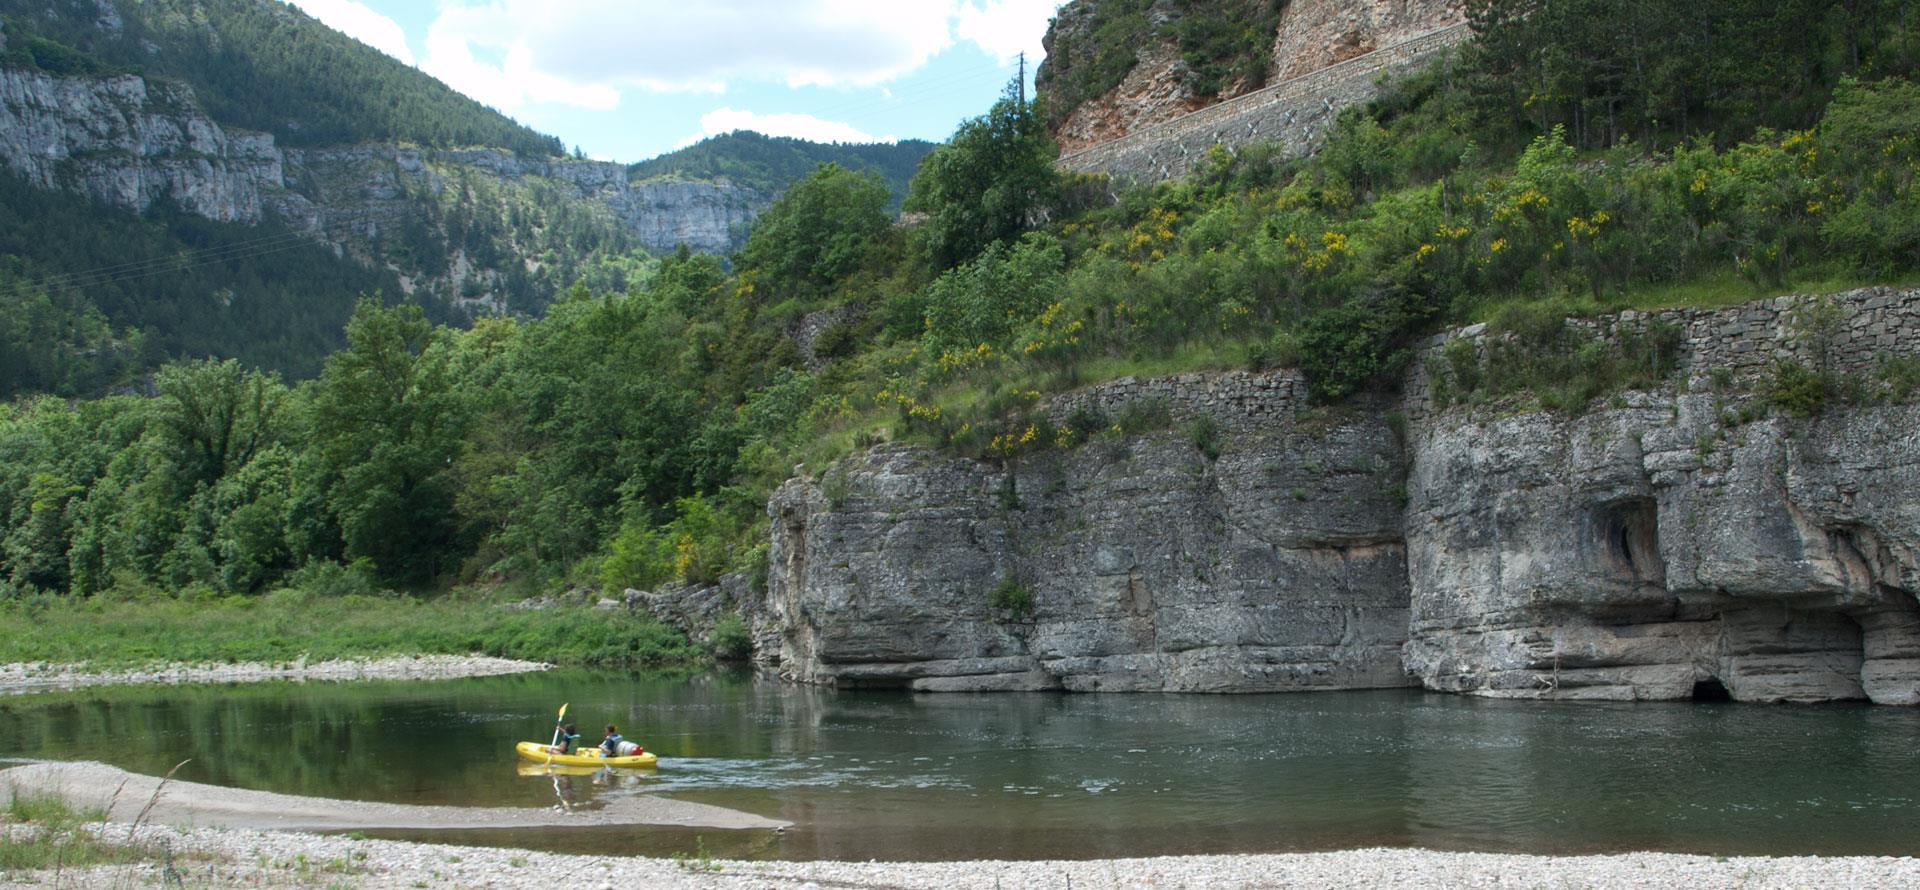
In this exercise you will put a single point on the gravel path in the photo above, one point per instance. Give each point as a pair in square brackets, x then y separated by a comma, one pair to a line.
[34, 677]
[244, 858]
[195, 804]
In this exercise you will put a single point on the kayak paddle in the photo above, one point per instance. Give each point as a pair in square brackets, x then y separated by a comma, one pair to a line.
[559, 722]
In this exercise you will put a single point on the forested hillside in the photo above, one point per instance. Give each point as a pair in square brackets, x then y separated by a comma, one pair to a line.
[268, 66]
[770, 163]
[631, 437]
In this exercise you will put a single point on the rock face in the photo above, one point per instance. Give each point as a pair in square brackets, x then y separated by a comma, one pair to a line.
[1266, 559]
[1316, 33]
[128, 142]
[1663, 548]
[1665, 545]
[1312, 35]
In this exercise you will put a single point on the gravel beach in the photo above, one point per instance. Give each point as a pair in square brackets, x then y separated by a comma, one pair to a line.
[36, 677]
[247, 858]
[125, 795]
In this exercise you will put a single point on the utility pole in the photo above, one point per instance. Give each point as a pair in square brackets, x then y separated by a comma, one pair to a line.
[1023, 79]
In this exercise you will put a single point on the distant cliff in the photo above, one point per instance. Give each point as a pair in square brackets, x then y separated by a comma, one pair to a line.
[129, 142]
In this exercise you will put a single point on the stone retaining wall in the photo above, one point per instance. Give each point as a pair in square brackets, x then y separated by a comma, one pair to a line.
[1294, 113]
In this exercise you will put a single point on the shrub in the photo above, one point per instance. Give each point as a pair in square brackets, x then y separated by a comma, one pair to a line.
[1205, 435]
[730, 639]
[1796, 389]
[1013, 597]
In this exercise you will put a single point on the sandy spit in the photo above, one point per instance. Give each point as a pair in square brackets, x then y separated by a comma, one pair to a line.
[124, 794]
[244, 858]
[35, 677]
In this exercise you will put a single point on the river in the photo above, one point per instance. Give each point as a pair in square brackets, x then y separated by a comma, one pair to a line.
[895, 776]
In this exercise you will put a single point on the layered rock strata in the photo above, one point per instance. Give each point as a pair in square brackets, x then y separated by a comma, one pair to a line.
[1666, 546]
[1266, 557]
[1672, 543]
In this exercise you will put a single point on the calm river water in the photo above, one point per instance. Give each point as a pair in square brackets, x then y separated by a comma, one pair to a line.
[880, 775]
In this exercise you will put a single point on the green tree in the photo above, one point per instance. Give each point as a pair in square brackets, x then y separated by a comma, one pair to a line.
[386, 427]
[820, 230]
[987, 184]
[215, 416]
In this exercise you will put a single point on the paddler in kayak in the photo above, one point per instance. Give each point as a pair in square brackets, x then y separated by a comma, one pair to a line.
[616, 746]
[564, 739]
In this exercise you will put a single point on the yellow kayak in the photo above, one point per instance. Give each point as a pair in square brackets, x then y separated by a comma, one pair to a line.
[538, 753]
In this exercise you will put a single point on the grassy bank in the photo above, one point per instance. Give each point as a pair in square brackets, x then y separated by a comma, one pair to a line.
[107, 632]
[42, 833]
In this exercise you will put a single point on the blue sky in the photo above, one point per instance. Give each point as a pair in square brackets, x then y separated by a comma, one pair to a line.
[626, 81]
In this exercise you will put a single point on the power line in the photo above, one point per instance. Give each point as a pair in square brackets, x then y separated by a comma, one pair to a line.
[180, 262]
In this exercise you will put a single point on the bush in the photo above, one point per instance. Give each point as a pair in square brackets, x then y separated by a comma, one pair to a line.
[1013, 597]
[1796, 389]
[730, 639]
[1205, 435]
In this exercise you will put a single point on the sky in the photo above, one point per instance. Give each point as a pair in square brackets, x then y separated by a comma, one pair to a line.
[631, 80]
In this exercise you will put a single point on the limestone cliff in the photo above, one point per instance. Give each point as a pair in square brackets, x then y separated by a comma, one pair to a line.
[1668, 541]
[130, 142]
[1264, 557]
[1666, 544]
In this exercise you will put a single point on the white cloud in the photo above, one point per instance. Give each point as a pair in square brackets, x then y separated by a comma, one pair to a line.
[361, 23]
[1006, 28]
[799, 126]
[584, 53]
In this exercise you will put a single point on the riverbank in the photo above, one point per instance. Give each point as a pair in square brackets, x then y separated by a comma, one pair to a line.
[42, 676]
[244, 858]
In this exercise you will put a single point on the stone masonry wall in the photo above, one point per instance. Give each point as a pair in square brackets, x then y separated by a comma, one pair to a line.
[1294, 113]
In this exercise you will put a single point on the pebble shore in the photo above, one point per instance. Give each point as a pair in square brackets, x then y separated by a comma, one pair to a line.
[34, 677]
[243, 858]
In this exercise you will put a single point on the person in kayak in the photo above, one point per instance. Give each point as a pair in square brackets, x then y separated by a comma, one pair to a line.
[565, 739]
[616, 746]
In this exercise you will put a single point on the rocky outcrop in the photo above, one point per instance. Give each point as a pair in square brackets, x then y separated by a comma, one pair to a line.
[126, 141]
[363, 189]
[1154, 92]
[1670, 543]
[1154, 100]
[130, 142]
[1244, 546]
[1314, 34]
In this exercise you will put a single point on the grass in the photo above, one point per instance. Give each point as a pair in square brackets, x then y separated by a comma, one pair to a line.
[43, 832]
[108, 632]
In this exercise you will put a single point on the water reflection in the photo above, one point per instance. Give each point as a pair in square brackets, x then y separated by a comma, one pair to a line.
[888, 775]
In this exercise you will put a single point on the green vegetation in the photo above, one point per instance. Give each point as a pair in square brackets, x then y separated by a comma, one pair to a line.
[1226, 42]
[730, 638]
[265, 66]
[43, 832]
[180, 294]
[132, 629]
[769, 164]
[1012, 597]
[632, 436]
[1085, 61]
